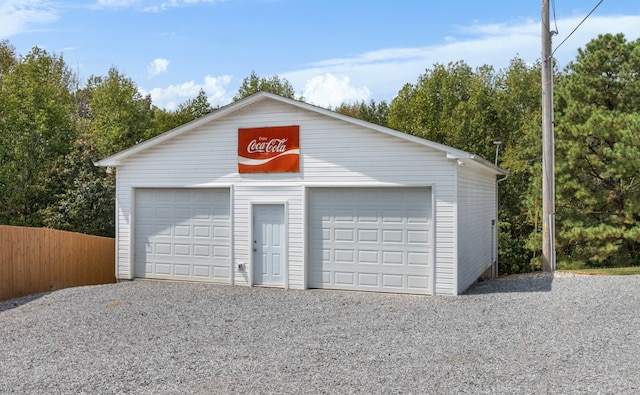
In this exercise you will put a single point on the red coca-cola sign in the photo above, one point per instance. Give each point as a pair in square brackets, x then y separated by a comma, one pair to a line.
[269, 149]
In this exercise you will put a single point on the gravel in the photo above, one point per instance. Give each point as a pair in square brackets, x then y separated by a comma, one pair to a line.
[535, 334]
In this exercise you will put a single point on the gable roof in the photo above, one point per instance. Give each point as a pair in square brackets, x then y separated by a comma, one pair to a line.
[451, 153]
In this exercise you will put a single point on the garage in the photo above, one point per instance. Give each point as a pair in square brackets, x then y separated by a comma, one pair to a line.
[183, 234]
[371, 239]
[274, 192]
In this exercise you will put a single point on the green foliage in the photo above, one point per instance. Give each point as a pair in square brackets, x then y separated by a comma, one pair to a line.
[598, 151]
[469, 110]
[86, 202]
[8, 58]
[36, 128]
[120, 116]
[373, 112]
[450, 105]
[164, 120]
[254, 84]
[51, 132]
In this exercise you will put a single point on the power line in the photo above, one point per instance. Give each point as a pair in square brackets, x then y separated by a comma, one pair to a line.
[579, 24]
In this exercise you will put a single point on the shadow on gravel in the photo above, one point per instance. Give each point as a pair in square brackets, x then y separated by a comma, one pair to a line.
[19, 301]
[513, 283]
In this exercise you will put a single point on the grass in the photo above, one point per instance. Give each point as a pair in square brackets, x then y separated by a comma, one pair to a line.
[609, 271]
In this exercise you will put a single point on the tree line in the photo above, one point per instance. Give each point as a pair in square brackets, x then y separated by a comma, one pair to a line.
[52, 130]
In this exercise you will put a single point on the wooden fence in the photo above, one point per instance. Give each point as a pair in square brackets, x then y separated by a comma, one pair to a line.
[36, 260]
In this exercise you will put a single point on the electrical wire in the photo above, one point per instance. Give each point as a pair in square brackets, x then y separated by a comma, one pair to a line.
[579, 24]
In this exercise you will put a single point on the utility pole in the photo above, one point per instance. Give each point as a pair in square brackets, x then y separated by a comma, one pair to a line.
[548, 165]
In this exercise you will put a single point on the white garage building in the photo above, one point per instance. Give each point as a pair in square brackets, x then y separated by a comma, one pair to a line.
[276, 192]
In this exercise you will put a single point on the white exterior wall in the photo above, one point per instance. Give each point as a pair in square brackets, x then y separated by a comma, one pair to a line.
[332, 153]
[476, 235]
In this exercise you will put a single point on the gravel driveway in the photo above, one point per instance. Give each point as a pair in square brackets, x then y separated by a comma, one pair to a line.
[525, 334]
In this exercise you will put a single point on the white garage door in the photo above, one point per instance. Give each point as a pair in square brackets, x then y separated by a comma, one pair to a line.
[371, 239]
[183, 234]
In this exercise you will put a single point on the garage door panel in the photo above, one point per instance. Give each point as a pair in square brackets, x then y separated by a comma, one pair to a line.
[183, 234]
[344, 278]
[393, 281]
[201, 231]
[392, 216]
[371, 239]
[418, 258]
[392, 236]
[368, 235]
[392, 257]
[343, 256]
[201, 271]
[417, 282]
[417, 236]
[368, 257]
[368, 279]
[344, 235]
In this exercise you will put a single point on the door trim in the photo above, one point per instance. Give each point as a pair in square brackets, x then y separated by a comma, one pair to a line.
[285, 243]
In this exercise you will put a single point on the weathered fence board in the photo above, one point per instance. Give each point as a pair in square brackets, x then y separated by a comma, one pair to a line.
[38, 260]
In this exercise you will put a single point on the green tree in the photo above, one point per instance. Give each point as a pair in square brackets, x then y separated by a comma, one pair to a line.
[119, 115]
[518, 109]
[470, 110]
[164, 120]
[8, 58]
[254, 84]
[452, 105]
[373, 112]
[86, 204]
[37, 127]
[598, 154]
[195, 108]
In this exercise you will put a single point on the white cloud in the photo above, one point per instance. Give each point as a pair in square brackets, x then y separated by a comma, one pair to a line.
[17, 16]
[157, 66]
[172, 96]
[117, 3]
[327, 90]
[216, 89]
[149, 5]
[383, 72]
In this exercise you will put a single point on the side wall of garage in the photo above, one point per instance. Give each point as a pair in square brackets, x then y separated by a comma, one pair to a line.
[477, 224]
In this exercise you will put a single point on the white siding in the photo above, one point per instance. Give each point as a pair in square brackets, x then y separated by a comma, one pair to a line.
[333, 152]
[476, 234]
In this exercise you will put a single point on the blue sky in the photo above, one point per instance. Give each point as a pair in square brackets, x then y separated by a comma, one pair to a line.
[331, 51]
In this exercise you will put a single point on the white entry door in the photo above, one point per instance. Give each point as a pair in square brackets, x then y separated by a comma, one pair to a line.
[268, 244]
